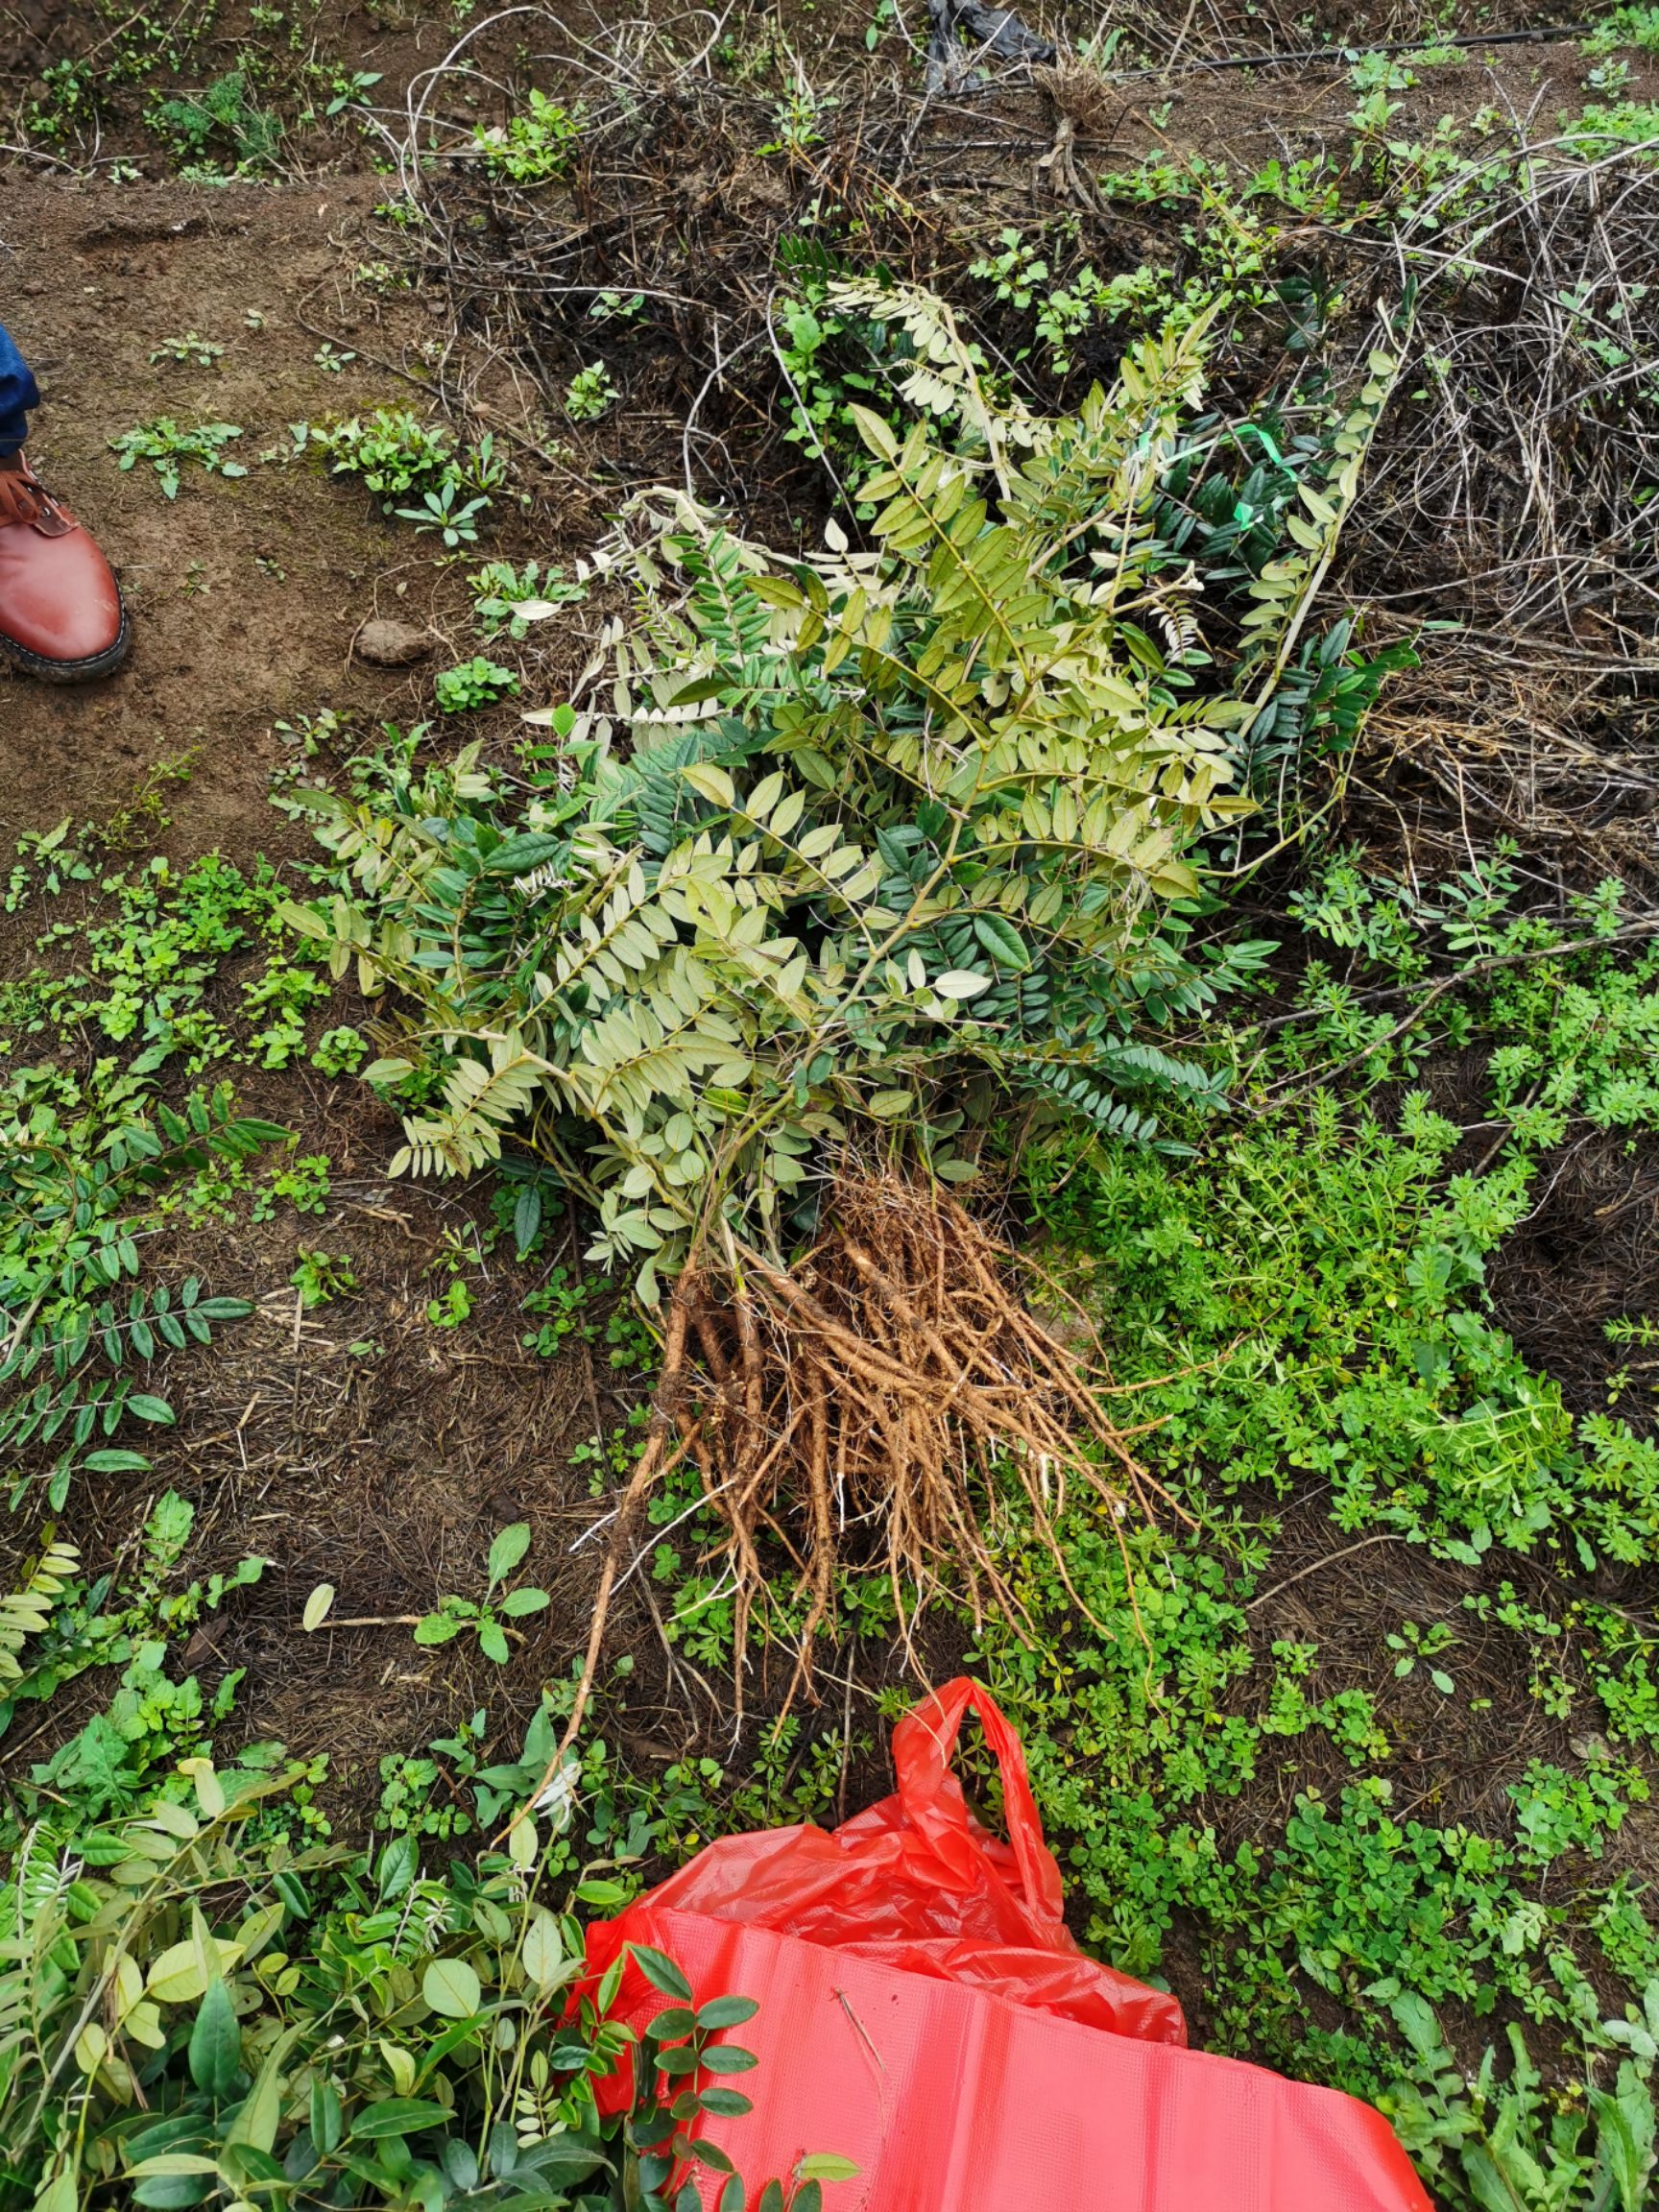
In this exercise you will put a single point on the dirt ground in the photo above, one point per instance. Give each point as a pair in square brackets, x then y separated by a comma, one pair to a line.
[383, 1471]
[245, 592]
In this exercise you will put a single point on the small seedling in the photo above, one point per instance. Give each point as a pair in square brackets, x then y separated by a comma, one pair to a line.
[1426, 1644]
[590, 394]
[453, 1307]
[444, 510]
[304, 1184]
[329, 357]
[532, 146]
[454, 1615]
[351, 91]
[339, 1051]
[320, 1277]
[474, 683]
[167, 448]
[192, 346]
[507, 598]
[796, 119]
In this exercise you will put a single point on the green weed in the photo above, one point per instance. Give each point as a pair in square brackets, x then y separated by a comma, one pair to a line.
[486, 1618]
[476, 682]
[402, 459]
[590, 394]
[535, 145]
[321, 1277]
[167, 448]
[223, 122]
[192, 346]
[499, 592]
[1632, 26]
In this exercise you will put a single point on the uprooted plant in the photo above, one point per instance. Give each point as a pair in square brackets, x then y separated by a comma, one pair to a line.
[897, 855]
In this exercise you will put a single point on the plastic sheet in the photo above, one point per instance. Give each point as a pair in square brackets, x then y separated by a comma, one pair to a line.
[924, 2012]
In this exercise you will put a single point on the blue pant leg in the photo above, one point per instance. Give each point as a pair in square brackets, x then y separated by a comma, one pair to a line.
[19, 392]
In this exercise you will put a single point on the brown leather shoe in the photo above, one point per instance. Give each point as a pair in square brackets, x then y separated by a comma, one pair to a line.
[60, 612]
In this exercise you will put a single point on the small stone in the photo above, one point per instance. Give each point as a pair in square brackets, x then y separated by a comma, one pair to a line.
[391, 644]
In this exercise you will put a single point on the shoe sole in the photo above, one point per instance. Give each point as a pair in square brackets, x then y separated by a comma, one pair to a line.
[85, 671]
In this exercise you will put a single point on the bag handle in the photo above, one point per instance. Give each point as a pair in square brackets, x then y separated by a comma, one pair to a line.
[923, 1745]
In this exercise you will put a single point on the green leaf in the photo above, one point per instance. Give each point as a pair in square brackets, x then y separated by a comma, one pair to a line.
[712, 783]
[453, 1987]
[1003, 941]
[436, 1629]
[316, 1607]
[519, 1603]
[726, 2012]
[399, 2115]
[826, 2166]
[260, 2112]
[518, 856]
[725, 2103]
[507, 1551]
[543, 1954]
[115, 1461]
[526, 1218]
[728, 2058]
[215, 2043]
[661, 1971]
[167, 2193]
[151, 1409]
[607, 1897]
[493, 1641]
[396, 1866]
[327, 2116]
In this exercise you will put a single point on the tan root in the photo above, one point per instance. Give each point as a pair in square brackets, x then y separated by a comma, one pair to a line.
[848, 1413]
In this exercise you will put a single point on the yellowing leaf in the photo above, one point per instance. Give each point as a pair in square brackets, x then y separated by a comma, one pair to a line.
[182, 1971]
[401, 2065]
[712, 783]
[826, 2166]
[175, 1821]
[143, 2024]
[209, 1790]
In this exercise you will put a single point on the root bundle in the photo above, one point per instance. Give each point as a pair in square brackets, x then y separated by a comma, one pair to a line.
[855, 1411]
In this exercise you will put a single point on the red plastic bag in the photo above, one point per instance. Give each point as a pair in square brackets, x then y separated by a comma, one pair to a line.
[925, 2013]
[917, 1883]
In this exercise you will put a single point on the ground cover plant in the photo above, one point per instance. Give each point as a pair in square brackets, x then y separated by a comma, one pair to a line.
[1097, 832]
